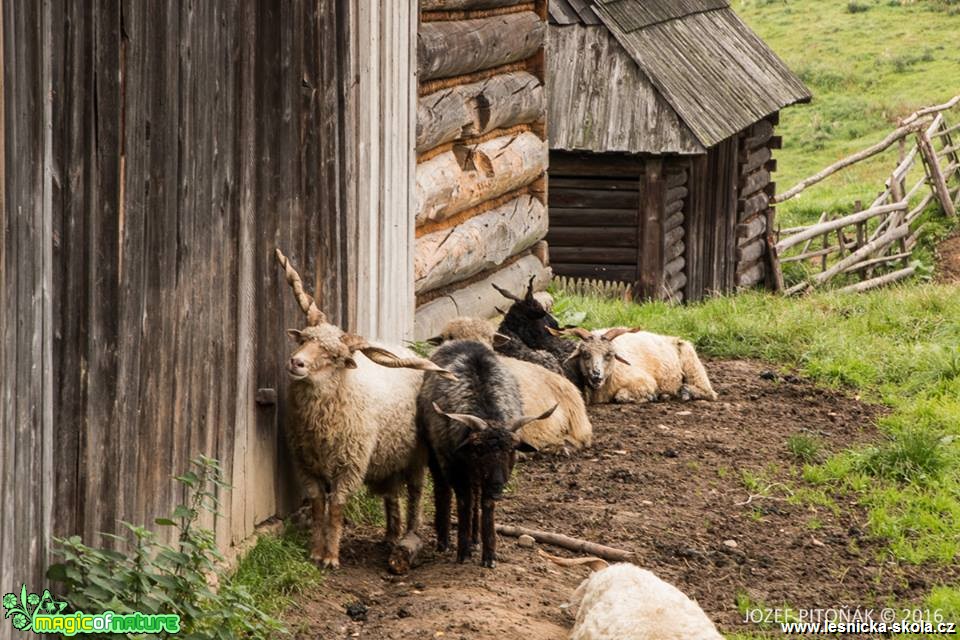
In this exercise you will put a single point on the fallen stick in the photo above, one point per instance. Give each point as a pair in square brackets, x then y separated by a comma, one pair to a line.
[566, 542]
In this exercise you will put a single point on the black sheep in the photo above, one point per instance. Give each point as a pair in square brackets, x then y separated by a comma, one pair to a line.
[470, 425]
[528, 325]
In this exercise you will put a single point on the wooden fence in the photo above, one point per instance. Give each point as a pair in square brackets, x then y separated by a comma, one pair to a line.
[873, 245]
[153, 156]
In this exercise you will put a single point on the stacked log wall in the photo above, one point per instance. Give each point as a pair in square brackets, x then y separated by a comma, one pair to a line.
[674, 231]
[755, 190]
[480, 197]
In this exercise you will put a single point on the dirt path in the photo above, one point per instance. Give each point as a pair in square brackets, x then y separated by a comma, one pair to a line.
[948, 259]
[665, 480]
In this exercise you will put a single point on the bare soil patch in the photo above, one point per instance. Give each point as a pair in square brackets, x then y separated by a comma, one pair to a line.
[948, 254]
[664, 480]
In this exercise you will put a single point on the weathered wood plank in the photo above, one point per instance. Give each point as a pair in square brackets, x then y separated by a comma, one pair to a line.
[448, 184]
[452, 48]
[593, 198]
[604, 165]
[465, 5]
[650, 231]
[593, 255]
[479, 299]
[753, 205]
[479, 244]
[562, 217]
[611, 272]
[473, 109]
[591, 236]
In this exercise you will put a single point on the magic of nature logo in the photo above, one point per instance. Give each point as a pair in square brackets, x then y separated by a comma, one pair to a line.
[43, 613]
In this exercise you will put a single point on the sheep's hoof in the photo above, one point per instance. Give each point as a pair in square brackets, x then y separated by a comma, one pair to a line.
[685, 394]
[330, 564]
[490, 564]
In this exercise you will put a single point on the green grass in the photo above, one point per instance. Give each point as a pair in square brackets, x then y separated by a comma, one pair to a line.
[898, 346]
[865, 67]
[803, 447]
[278, 569]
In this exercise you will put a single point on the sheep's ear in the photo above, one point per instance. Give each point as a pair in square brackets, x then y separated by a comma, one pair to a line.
[520, 422]
[296, 334]
[620, 358]
[499, 339]
[349, 363]
[435, 341]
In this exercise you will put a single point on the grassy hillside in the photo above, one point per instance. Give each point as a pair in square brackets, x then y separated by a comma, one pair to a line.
[867, 63]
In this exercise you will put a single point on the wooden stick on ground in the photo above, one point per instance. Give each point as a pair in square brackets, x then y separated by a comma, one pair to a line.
[566, 542]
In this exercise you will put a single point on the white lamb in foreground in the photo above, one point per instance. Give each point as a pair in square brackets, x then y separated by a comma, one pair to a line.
[625, 602]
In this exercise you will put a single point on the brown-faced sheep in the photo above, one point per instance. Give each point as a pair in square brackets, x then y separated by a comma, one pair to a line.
[352, 421]
[630, 365]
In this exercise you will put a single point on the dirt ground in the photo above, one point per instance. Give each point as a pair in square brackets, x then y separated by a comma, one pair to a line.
[664, 480]
[948, 259]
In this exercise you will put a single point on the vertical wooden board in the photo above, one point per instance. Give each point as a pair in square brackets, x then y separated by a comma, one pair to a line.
[26, 427]
[226, 194]
[650, 229]
[246, 286]
[273, 206]
[131, 259]
[732, 185]
[71, 138]
[693, 230]
[101, 481]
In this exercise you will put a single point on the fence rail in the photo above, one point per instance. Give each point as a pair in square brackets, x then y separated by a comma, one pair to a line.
[876, 242]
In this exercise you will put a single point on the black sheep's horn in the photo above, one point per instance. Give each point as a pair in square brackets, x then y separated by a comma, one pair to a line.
[506, 294]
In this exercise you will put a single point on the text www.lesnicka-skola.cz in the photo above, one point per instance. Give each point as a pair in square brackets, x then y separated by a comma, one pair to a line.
[856, 621]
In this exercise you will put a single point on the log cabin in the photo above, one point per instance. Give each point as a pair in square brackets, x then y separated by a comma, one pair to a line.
[480, 195]
[661, 118]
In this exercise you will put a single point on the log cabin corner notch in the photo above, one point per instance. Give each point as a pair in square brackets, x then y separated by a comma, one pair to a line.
[661, 119]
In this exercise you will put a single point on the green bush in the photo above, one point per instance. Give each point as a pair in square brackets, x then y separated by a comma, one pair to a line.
[154, 577]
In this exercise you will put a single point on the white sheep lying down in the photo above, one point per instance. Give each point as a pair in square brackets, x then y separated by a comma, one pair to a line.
[625, 602]
[540, 390]
[630, 365]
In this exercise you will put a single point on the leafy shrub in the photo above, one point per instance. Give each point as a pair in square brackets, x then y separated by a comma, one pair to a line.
[857, 7]
[155, 577]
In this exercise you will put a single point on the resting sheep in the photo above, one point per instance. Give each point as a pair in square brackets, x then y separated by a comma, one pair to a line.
[625, 602]
[528, 324]
[470, 425]
[630, 365]
[540, 389]
[352, 421]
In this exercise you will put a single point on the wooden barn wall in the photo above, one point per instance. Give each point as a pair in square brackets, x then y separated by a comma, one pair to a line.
[154, 155]
[594, 215]
[26, 280]
[480, 185]
[727, 211]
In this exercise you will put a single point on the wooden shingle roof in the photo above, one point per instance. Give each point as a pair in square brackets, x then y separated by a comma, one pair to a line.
[711, 68]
